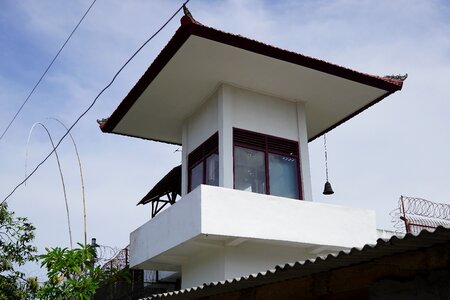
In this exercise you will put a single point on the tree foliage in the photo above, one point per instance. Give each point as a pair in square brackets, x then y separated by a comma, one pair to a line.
[71, 273]
[16, 248]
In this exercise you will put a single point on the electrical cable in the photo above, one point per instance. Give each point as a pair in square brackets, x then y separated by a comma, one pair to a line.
[46, 70]
[93, 102]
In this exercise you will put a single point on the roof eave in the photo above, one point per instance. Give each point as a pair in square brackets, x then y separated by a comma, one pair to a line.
[175, 43]
[351, 115]
[191, 27]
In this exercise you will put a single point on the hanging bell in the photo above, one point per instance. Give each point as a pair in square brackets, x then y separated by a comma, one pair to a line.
[327, 189]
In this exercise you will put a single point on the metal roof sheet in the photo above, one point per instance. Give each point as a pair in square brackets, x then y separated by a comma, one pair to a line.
[299, 269]
[170, 183]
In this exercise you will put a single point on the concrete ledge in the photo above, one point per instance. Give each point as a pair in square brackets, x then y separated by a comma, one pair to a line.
[235, 213]
[219, 217]
[170, 228]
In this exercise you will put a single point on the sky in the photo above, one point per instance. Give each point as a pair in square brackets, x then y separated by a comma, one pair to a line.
[398, 147]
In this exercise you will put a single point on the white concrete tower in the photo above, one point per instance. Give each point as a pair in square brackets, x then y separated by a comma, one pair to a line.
[244, 113]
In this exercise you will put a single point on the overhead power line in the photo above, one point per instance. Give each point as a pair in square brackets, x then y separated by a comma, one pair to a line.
[94, 101]
[45, 72]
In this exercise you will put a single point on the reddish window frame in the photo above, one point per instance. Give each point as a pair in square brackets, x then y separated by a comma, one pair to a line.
[267, 144]
[200, 154]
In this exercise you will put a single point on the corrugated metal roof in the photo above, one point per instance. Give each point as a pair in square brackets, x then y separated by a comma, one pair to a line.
[299, 269]
[170, 183]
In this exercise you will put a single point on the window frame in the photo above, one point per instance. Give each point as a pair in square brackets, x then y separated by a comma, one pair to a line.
[267, 144]
[200, 155]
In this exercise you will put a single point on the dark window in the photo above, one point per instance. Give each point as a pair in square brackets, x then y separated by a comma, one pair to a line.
[266, 164]
[203, 164]
[249, 170]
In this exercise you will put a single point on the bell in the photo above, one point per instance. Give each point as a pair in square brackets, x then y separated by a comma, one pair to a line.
[327, 189]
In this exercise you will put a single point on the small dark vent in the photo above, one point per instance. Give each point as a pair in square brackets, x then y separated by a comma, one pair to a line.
[195, 156]
[249, 138]
[282, 146]
[211, 144]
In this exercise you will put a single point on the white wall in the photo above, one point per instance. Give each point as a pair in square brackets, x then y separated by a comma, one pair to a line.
[225, 138]
[268, 115]
[263, 113]
[203, 267]
[236, 213]
[203, 124]
[214, 233]
[171, 227]
[232, 107]
[228, 262]
[304, 152]
[197, 129]
[263, 257]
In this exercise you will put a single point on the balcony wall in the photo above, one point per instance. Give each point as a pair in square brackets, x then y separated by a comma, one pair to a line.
[214, 226]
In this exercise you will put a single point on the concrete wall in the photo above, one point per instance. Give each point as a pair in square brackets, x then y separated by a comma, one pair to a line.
[236, 213]
[232, 107]
[265, 114]
[228, 262]
[215, 233]
[203, 124]
[263, 257]
[173, 226]
[262, 113]
[197, 129]
[205, 266]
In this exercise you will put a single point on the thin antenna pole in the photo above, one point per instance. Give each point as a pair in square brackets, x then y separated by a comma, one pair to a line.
[81, 176]
[60, 173]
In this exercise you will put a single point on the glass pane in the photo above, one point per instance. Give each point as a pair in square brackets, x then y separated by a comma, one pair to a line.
[196, 176]
[249, 170]
[212, 170]
[283, 177]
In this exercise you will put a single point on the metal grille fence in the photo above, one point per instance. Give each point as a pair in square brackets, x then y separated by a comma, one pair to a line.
[136, 284]
[119, 261]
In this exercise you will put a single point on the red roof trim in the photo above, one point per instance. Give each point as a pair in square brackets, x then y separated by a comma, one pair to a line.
[191, 27]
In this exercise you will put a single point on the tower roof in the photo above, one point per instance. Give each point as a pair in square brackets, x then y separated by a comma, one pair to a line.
[198, 59]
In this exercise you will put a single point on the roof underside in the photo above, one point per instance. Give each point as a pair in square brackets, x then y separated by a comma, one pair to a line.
[199, 59]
